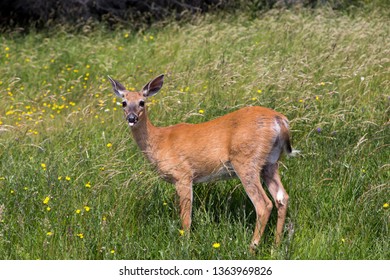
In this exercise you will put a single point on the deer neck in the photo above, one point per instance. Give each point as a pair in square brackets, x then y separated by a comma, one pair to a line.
[143, 134]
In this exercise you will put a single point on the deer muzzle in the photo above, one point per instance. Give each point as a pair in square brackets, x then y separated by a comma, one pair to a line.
[132, 119]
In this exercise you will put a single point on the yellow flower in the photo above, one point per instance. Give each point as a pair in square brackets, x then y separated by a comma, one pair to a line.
[112, 251]
[127, 35]
[50, 233]
[12, 191]
[88, 185]
[201, 111]
[67, 178]
[43, 166]
[80, 235]
[109, 145]
[87, 208]
[78, 211]
[46, 200]
[216, 245]
[59, 178]
[181, 232]
[259, 91]
[48, 209]
[386, 206]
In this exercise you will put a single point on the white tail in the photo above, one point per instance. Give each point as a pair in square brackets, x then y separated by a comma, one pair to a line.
[246, 143]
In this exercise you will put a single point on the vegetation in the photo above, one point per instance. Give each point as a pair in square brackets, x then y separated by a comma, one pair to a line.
[73, 184]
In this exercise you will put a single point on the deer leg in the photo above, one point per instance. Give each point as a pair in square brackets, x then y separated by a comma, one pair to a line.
[184, 191]
[271, 176]
[262, 204]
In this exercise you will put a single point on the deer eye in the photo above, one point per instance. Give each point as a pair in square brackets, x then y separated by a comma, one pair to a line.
[124, 104]
[142, 103]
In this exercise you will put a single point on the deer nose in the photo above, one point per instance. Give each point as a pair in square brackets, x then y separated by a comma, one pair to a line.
[132, 119]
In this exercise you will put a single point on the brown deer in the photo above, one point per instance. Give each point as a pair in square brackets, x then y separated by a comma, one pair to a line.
[246, 144]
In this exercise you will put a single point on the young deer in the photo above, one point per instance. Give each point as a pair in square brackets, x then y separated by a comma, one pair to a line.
[246, 144]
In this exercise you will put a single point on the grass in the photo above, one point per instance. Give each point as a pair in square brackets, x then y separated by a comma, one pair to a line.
[73, 184]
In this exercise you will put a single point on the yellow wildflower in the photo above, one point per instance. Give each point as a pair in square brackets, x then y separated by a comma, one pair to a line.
[386, 206]
[67, 178]
[88, 185]
[46, 200]
[43, 166]
[201, 111]
[87, 208]
[112, 251]
[50, 233]
[181, 232]
[78, 211]
[216, 245]
[109, 145]
[80, 235]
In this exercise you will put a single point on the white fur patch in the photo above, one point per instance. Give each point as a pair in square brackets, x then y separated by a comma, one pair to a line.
[276, 150]
[276, 127]
[294, 153]
[280, 197]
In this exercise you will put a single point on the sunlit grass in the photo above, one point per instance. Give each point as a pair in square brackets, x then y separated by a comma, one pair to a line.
[73, 185]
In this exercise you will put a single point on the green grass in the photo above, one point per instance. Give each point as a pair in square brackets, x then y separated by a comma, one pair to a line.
[328, 73]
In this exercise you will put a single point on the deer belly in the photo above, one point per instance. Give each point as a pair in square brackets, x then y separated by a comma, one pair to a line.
[224, 172]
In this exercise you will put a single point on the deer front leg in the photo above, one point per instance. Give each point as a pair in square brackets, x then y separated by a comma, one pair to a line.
[184, 191]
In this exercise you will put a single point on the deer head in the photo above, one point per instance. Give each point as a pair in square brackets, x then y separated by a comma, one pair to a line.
[133, 102]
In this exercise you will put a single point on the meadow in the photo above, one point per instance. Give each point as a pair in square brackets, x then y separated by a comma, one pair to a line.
[73, 184]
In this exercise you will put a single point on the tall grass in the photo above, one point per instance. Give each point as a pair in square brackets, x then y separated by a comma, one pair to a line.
[73, 184]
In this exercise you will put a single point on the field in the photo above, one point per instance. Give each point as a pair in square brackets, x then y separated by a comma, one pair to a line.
[73, 184]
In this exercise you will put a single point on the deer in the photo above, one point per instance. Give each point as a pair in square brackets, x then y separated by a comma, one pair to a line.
[246, 143]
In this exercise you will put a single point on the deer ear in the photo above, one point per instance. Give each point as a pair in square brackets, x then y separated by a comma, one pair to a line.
[117, 87]
[153, 86]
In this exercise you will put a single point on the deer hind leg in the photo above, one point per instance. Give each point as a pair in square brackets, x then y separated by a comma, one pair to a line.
[184, 191]
[262, 204]
[271, 176]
